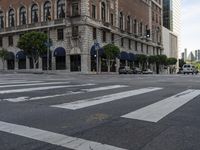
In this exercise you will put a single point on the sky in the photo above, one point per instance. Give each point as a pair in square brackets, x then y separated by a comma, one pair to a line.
[190, 35]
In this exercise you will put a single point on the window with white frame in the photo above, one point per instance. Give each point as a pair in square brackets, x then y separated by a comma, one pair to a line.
[60, 9]
[47, 11]
[34, 13]
[75, 9]
[121, 21]
[93, 11]
[103, 11]
[22, 15]
[1, 20]
[128, 24]
[11, 18]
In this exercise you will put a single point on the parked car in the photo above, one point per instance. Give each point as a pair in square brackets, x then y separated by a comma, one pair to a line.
[180, 71]
[125, 70]
[147, 71]
[188, 68]
[137, 71]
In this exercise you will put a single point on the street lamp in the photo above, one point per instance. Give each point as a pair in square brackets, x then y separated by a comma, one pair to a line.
[48, 45]
[97, 47]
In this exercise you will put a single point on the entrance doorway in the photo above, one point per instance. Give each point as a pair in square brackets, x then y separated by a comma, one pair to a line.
[75, 63]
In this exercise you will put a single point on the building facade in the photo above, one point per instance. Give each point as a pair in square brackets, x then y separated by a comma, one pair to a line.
[171, 27]
[76, 25]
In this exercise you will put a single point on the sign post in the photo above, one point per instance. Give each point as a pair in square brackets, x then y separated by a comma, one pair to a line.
[97, 47]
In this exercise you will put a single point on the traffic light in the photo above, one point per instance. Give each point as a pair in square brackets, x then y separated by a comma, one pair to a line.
[148, 33]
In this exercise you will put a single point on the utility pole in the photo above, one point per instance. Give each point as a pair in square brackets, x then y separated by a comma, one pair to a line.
[48, 43]
[97, 55]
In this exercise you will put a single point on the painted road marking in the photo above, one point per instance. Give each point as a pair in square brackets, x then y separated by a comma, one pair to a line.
[104, 88]
[41, 88]
[157, 111]
[54, 138]
[104, 99]
[20, 99]
[18, 82]
[32, 84]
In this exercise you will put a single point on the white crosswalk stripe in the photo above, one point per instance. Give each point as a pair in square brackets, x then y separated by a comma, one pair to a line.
[20, 99]
[54, 138]
[18, 82]
[157, 111]
[104, 88]
[104, 99]
[32, 84]
[41, 88]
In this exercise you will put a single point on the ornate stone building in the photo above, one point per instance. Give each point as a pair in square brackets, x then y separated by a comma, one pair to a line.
[133, 25]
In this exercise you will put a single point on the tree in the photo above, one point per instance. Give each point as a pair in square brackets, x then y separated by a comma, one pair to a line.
[162, 59]
[181, 63]
[3, 55]
[151, 59]
[171, 61]
[142, 59]
[34, 44]
[110, 52]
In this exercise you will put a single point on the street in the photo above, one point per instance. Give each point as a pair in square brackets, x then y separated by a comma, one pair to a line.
[99, 112]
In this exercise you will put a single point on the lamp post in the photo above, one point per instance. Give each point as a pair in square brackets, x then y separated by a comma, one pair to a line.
[97, 56]
[48, 43]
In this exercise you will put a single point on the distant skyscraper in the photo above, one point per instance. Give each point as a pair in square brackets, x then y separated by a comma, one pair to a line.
[172, 15]
[171, 27]
[185, 52]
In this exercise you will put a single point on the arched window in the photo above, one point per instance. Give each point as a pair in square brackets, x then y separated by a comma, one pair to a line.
[1, 20]
[11, 18]
[47, 11]
[103, 11]
[60, 9]
[128, 24]
[22, 15]
[121, 22]
[34, 13]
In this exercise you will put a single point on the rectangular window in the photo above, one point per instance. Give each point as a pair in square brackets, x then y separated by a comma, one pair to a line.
[94, 33]
[75, 9]
[142, 47]
[112, 19]
[147, 49]
[10, 40]
[60, 34]
[1, 42]
[135, 26]
[104, 36]
[136, 46]
[113, 38]
[93, 11]
[75, 30]
[129, 43]
[122, 42]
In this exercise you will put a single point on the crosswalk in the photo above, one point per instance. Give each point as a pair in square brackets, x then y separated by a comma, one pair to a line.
[87, 95]
[151, 113]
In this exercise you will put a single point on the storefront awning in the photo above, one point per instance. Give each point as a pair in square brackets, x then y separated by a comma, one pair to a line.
[131, 56]
[20, 55]
[10, 56]
[124, 56]
[60, 51]
[93, 51]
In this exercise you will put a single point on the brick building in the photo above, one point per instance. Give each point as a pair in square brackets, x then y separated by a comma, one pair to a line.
[74, 27]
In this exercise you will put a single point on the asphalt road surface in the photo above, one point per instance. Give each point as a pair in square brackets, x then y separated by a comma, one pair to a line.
[99, 112]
